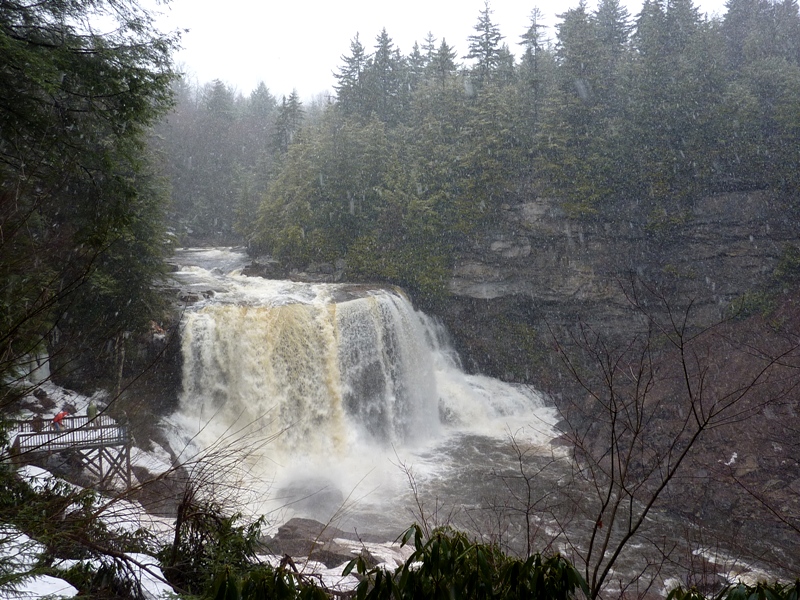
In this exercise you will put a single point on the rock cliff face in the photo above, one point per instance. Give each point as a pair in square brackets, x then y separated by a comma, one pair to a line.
[538, 273]
[538, 269]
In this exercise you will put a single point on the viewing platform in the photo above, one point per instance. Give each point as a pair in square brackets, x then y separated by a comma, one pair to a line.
[102, 444]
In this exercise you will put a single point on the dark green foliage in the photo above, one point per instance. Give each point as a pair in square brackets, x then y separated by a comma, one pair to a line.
[741, 591]
[80, 210]
[448, 565]
[220, 151]
[209, 548]
[764, 301]
[484, 47]
[288, 122]
[351, 86]
[386, 82]
[788, 269]
[263, 582]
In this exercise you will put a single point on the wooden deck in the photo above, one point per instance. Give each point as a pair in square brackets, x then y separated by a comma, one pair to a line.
[102, 444]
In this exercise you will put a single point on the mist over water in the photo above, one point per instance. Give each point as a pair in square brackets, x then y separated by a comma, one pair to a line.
[335, 392]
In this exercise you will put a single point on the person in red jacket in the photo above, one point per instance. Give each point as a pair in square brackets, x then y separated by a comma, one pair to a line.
[57, 420]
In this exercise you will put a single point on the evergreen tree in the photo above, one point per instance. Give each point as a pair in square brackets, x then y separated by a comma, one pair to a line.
[578, 154]
[613, 26]
[256, 128]
[429, 47]
[531, 79]
[443, 63]
[484, 46]
[578, 53]
[80, 210]
[760, 29]
[786, 41]
[383, 78]
[682, 22]
[739, 24]
[210, 197]
[506, 69]
[664, 103]
[417, 63]
[327, 191]
[260, 112]
[350, 90]
[178, 138]
[288, 122]
[613, 32]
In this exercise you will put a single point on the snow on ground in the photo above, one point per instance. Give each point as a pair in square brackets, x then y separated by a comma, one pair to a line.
[331, 578]
[157, 461]
[140, 568]
[389, 555]
[18, 555]
[38, 586]
[40, 479]
[115, 513]
[50, 399]
[151, 579]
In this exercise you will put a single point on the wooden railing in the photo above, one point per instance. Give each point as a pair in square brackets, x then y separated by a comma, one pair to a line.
[40, 435]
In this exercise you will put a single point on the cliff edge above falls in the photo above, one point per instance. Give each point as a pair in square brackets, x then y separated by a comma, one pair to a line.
[538, 269]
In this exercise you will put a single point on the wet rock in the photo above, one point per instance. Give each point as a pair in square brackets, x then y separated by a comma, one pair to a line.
[265, 267]
[321, 268]
[189, 297]
[308, 538]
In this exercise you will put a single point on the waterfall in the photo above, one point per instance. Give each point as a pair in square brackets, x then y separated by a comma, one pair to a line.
[314, 375]
[329, 387]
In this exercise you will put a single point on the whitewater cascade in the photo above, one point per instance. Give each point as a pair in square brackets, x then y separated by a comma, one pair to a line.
[338, 378]
[315, 373]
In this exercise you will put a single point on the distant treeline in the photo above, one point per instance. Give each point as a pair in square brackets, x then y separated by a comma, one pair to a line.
[417, 152]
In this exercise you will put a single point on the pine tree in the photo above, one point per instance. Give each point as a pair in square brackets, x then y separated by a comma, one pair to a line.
[417, 63]
[212, 193]
[578, 52]
[613, 31]
[741, 19]
[443, 63]
[578, 152]
[682, 22]
[429, 47]
[484, 46]
[532, 42]
[383, 78]
[288, 122]
[350, 92]
[668, 101]
[256, 128]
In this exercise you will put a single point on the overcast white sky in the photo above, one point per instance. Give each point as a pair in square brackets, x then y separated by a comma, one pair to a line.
[298, 44]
